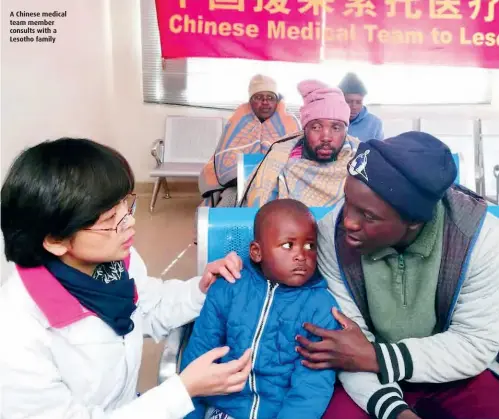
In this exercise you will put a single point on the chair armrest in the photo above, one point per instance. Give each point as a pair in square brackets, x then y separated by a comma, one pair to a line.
[171, 358]
[157, 151]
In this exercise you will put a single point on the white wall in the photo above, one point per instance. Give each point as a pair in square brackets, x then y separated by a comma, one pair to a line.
[60, 89]
[52, 90]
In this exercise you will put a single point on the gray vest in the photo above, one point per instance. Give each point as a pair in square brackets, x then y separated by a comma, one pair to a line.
[464, 215]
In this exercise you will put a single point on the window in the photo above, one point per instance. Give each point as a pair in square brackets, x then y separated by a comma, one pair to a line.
[223, 83]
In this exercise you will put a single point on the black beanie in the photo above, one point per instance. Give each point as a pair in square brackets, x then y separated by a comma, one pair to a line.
[411, 172]
[351, 84]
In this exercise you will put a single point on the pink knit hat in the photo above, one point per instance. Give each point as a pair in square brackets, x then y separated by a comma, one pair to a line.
[321, 101]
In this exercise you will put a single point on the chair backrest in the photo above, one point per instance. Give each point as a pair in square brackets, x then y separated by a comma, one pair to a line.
[223, 230]
[191, 139]
[494, 210]
[247, 162]
[245, 165]
[490, 147]
[396, 126]
[459, 135]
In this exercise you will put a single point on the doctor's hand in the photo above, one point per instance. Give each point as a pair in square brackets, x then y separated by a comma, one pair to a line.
[204, 377]
[229, 268]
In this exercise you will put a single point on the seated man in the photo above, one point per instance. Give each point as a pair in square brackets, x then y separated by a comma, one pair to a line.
[278, 291]
[311, 165]
[363, 125]
[253, 127]
[413, 261]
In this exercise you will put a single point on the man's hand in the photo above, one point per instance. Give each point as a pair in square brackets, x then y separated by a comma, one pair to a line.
[229, 268]
[347, 349]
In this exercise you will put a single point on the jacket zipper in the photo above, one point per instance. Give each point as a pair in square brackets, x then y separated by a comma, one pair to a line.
[255, 344]
[404, 284]
[122, 392]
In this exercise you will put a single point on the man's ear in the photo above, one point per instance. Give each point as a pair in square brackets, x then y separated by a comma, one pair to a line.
[255, 252]
[55, 246]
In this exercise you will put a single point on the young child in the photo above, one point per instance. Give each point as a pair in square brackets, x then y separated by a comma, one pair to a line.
[278, 291]
[74, 312]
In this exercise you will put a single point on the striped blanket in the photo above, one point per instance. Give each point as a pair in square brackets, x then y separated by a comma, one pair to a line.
[244, 133]
[313, 183]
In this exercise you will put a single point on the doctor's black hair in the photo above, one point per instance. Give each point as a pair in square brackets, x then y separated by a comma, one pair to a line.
[55, 189]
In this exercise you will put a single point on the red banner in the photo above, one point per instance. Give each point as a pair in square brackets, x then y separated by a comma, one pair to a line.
[445, 32]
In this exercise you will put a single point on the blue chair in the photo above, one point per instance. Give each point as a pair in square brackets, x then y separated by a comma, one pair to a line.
[246, 163]
[223, 230]
[457, 160]
[494, 210]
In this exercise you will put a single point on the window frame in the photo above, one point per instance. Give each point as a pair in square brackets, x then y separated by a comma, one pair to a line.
[166, 81]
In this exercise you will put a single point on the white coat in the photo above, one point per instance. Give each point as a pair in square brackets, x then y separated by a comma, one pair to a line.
[58, 361]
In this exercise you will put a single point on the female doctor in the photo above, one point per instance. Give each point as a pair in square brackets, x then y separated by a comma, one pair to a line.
[74, 312]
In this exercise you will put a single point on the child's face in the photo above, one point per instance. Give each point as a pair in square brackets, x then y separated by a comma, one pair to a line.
[109, 239]
[287, 250]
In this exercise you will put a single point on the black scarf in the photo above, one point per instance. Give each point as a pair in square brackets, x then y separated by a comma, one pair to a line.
[109, 292]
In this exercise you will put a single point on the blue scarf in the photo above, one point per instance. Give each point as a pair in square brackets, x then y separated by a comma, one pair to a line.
[109, 292]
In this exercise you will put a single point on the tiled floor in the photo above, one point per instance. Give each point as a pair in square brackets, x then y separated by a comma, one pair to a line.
[160, 238]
